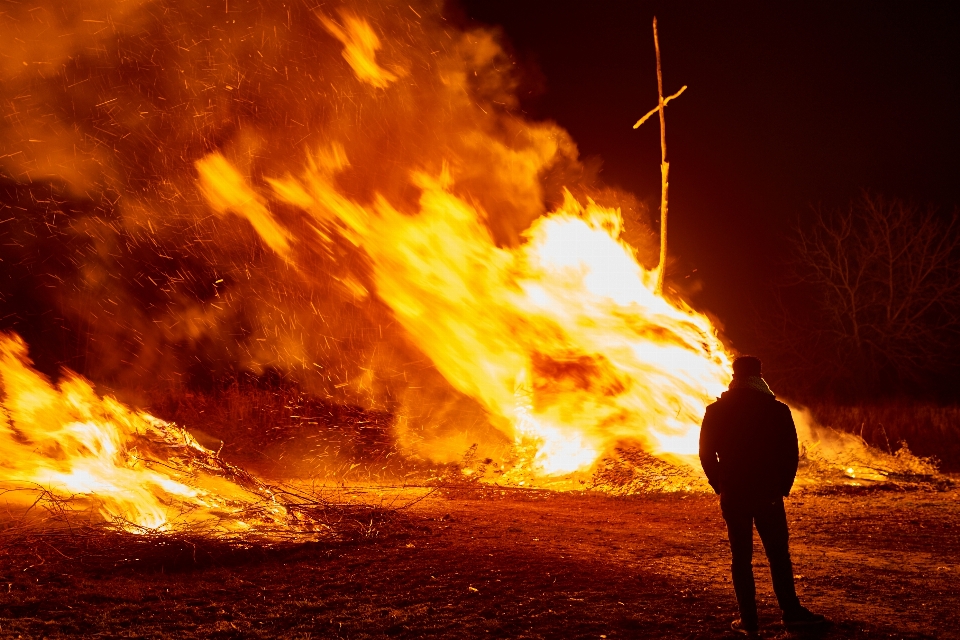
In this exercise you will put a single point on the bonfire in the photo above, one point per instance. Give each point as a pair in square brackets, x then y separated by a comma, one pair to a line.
[321, 307]
[393, 265]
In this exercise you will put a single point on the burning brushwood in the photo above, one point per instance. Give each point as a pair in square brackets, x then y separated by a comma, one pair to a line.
[138, 472]
[351, 202]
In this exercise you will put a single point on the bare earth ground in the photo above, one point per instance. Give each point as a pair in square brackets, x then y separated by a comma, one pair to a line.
[488, 563]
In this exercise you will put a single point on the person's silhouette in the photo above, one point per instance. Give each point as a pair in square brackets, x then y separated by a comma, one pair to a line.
[749, 451]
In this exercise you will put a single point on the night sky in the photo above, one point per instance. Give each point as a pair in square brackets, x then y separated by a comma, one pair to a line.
[789, 106]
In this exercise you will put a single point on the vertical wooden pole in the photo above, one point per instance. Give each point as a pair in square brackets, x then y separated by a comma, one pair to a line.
[664, 168]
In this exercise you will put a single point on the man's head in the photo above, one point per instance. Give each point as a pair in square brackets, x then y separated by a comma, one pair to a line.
[746, 366]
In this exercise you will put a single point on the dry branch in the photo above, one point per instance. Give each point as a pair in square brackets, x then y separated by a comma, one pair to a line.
[664, 165]
[656, 109]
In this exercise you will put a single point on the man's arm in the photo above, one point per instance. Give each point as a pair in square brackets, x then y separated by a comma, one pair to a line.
[708, 450]
[791, 451]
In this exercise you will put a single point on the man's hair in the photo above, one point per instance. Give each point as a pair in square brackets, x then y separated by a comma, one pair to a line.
[746, 366]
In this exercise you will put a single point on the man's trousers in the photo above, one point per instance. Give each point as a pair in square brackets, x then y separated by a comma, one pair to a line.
[741, 514]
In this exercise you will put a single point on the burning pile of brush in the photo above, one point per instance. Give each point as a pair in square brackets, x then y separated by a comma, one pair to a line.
[347, 195]
[137, 472]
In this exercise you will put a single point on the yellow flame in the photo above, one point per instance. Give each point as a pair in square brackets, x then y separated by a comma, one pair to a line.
[68, 440]
[360, 46]
[562, 338]
[227, 191]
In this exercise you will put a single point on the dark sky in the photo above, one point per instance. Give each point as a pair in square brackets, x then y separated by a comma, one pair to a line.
[789, 105]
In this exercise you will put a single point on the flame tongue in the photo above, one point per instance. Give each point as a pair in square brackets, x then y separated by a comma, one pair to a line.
[562, 338]
[627, 364]
[142, 472]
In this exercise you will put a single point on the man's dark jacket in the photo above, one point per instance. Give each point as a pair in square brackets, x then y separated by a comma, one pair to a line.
[748, 445]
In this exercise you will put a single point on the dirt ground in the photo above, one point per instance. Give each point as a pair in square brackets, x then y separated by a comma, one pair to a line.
[468, 562]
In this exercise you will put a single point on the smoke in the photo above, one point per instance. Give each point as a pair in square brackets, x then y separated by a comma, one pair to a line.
[122, 266]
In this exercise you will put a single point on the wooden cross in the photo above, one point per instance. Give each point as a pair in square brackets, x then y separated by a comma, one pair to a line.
[664, 165]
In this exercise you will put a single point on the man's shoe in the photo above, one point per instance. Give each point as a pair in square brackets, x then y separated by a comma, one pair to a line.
[739, 626]
[803, 618]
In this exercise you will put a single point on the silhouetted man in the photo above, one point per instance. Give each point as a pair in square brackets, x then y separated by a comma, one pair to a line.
[748, 449]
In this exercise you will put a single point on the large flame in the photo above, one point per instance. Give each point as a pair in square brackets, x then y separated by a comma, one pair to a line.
[379, 198]
[562, 338]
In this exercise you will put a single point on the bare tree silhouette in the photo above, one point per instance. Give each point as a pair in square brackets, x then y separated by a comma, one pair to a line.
[875, 301]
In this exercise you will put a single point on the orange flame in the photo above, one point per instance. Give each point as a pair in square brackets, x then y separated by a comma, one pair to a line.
[561, 338]
[360, 45]
[141, 472]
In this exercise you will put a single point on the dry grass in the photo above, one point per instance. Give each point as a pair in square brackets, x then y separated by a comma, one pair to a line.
[629, 470]
[929, 430]
[70, 530]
